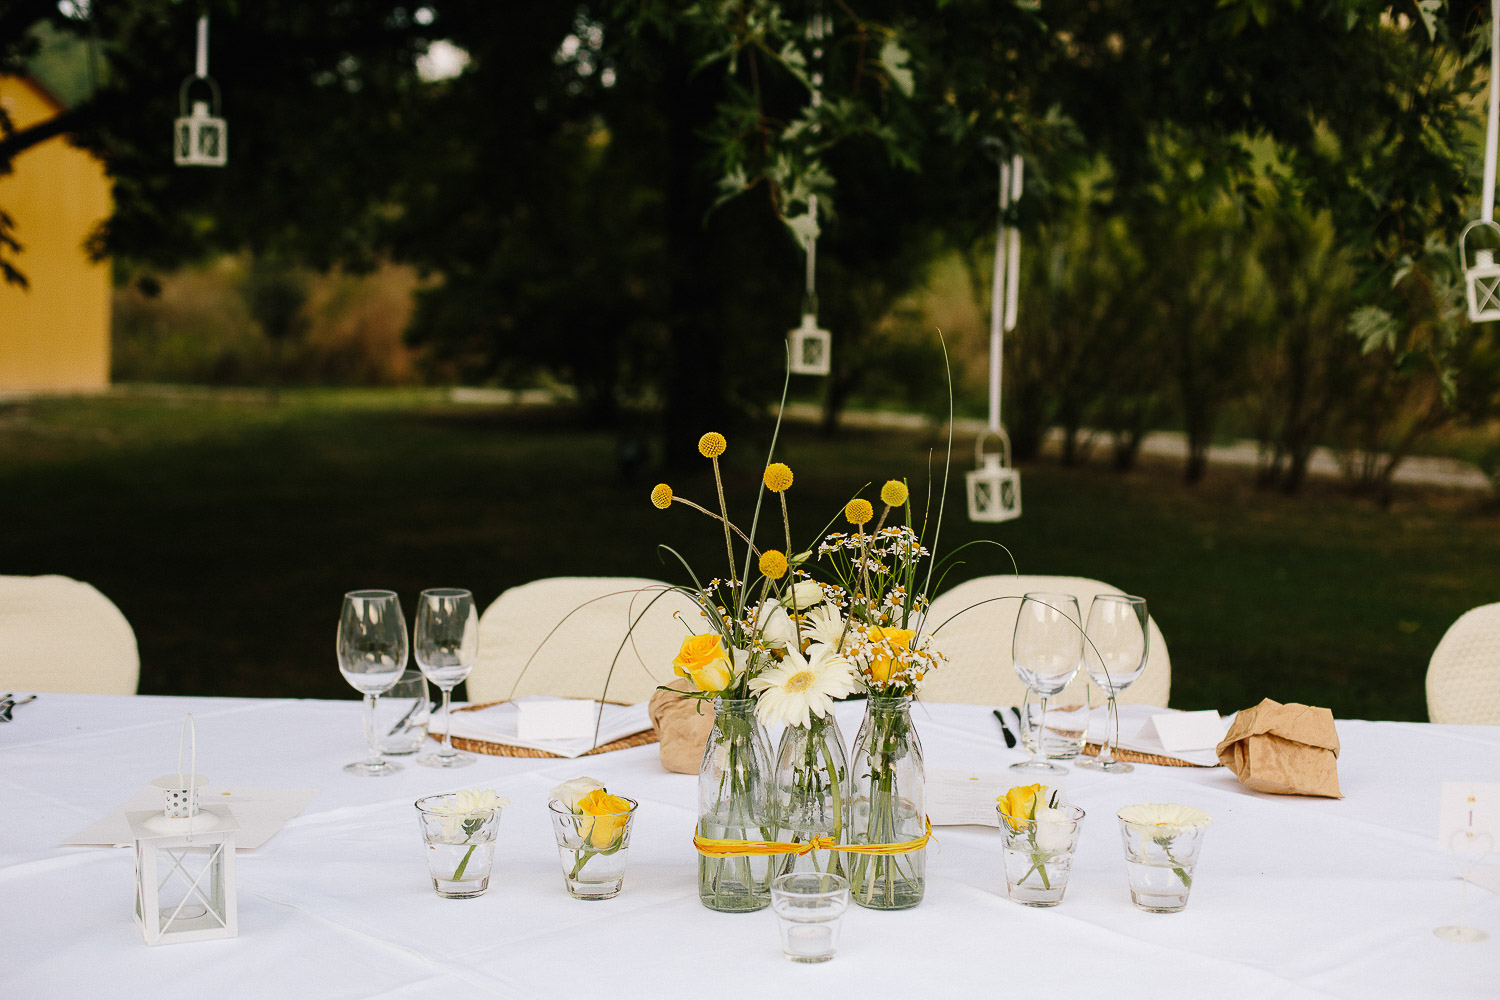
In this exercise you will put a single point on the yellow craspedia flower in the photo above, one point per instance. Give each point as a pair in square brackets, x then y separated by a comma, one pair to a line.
[778, 477]
[773, 564]
[661, 497]
[712, 445]
[893, 493]
[858, 511]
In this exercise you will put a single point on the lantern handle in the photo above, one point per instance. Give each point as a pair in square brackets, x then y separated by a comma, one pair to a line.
[182, 93]
[1463, 256]
[1004, 438]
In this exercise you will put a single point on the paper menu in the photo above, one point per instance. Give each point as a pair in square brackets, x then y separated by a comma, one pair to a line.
[964, 798]
[261, 812]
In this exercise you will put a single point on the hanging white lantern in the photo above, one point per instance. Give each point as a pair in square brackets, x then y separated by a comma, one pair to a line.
[184, 863]
[1481, 275]
[811, 348]
[994, 488]
[200, 139]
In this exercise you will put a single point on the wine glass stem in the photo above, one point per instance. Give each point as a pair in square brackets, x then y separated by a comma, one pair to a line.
[1039, 755]
[375, 758]
[1111, 732]
[447, 724]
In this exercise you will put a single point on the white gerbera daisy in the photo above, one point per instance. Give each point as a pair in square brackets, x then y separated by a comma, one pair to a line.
[1166, 815]
[466, 804]
[798, 688]
[824, 624]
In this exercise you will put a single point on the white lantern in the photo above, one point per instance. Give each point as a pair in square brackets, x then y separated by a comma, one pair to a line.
[994, 488]
[811, 348]
[184, 864]
[1482, 276]
[200, 139]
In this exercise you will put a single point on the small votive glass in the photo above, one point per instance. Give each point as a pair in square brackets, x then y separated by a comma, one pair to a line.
[460, 846]
[1160, 858]
[592, 847]
[1039, 854]
[808, 908]
[402, 714]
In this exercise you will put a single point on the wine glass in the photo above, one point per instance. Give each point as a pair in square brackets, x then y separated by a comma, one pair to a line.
[1047, 651]
[447, 644]
[372, 652]
[1115, 656]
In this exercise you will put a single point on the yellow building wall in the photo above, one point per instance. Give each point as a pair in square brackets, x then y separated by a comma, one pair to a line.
[54, 336]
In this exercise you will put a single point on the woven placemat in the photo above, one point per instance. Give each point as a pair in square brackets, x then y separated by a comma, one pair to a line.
[506, 750]
[1136, 757]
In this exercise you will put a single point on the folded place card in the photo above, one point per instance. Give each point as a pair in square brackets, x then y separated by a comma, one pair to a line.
[1181, 731]
[1485, 878]
[564, 719]
[1469, 817]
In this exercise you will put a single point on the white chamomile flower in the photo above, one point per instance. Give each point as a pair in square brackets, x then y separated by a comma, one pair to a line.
[798, 688]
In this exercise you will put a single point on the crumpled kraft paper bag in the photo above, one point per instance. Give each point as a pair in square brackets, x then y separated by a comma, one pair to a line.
[683, 725]
[1284, 749]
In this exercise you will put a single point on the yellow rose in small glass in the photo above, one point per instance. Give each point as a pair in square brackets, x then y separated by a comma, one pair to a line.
[593, 835]
[704, 660]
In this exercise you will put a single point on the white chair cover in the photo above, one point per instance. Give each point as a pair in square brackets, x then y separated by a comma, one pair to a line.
[977, 642]
[591, 617]
[1463, 677]
[57, 634]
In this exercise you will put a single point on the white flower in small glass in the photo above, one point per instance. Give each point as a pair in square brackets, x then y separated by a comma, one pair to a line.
[776, 628]
[804, 594]
[569, 792]
[825, 625]
[799, 687]
[1054, 830]
[1170, 818]
[464, 807]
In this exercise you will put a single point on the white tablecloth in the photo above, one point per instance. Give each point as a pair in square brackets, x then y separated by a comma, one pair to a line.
[1293, 897]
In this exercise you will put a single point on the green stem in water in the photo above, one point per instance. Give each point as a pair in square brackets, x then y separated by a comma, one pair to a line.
[458, 873]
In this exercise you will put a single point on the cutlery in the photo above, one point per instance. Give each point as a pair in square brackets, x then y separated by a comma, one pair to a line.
[1010, 738]
[409, 712]
[8, 703]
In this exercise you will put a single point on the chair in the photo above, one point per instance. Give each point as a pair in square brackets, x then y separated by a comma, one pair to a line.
[1463, 677]
[977, 642]
[58, 634]
[591, 617]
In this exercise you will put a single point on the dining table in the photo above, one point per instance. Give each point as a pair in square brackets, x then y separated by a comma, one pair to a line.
[1293, 897]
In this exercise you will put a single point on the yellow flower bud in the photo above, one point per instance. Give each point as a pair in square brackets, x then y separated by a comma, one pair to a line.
[712, 445]
[858, 511]
[893, 493]
[661, 497]
[778, 477]
[773, 564]
[607, 816]
[704, 660]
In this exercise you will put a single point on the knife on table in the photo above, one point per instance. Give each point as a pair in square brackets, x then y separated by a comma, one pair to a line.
[1010, 738]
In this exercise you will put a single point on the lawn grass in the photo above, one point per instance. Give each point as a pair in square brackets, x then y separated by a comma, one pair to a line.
[226, 529]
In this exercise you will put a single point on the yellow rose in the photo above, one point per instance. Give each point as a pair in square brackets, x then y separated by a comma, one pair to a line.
[704, 660]
[1019, 804]
[607, 814]
[884, 662]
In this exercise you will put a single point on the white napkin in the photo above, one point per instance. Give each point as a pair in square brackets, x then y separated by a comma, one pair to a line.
[1138, 733]
[498, 724]
[259, 811]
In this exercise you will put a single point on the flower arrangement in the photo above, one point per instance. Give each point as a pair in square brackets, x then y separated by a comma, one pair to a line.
[1163, 824]
[1033, 817]
[464, 815]
[591, 824]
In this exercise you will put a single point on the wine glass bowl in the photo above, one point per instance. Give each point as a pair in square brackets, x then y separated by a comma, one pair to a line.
[447, 644]
[1046, 652]
[372, 652]
[1115, 652]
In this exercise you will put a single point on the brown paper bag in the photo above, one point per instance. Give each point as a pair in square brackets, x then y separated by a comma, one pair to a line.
[683, 724]
[1284, 749]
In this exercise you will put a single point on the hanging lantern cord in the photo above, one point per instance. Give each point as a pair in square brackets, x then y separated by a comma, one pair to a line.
[1006, 281]
[1487, 207]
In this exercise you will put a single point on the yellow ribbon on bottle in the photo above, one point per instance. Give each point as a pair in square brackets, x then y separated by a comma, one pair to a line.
[715, 848]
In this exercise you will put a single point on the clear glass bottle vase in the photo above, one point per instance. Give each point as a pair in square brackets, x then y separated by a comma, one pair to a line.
[812, 780]
[734, 803]
[885, 806]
